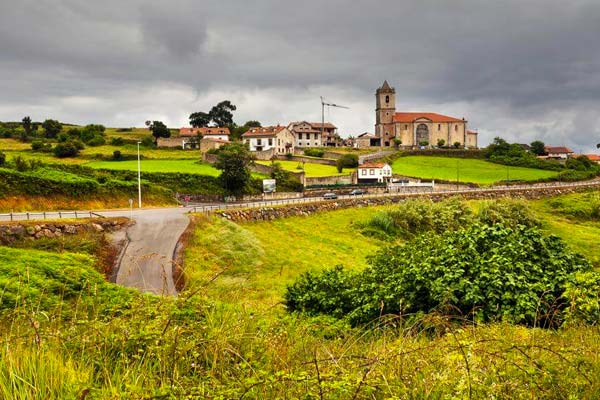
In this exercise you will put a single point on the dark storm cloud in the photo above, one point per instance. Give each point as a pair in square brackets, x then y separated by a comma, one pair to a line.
[519, 69]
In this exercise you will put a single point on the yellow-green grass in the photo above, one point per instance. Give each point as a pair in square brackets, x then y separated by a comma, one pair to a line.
[12, 144]
[135, 133]
[310, 169]
[466, 169]
[182, 166]
[255, 261]
[44, 157]
[131, 149]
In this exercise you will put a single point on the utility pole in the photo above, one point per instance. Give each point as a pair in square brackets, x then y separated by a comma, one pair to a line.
[139, 177]
[323, 104]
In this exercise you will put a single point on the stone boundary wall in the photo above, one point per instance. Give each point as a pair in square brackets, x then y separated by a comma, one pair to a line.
[272, 213]
[13, 231]
[312, 160]
[329, 180]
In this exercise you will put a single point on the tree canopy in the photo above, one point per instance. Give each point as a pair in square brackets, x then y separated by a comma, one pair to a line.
[538, 148]
[51, 128]
[220, 115]
[233, 159]
[159, 130]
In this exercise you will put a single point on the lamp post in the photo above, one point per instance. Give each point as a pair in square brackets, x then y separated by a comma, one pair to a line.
[139, 177]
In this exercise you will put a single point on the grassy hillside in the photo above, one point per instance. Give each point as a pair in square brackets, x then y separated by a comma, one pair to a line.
[311, 169]
[185, 166]
[467, 170]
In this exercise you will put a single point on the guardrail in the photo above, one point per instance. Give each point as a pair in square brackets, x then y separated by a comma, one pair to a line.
[26, 216]
[409, 192]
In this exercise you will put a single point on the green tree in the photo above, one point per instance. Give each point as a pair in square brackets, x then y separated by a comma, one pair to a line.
[252, 124]
[347, 161]
[159, 130]
[66, 149]
[537, 147]
[51, 128]
[221, 114]
[199, 119]
[441, 143]
[27, 127]
[233, 159]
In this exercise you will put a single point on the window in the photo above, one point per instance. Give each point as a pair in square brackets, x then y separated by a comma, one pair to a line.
[270, 142]
[279, 142]
[300, 136]
[316, 144]
[371, 172]
[455, 128]
[258, 142]
[316, 136]
[387, 99]
[363, 171]
[405, 126]
[439, 127]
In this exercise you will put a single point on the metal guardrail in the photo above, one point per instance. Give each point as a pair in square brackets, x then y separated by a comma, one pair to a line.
[43, 215]
[409, 192]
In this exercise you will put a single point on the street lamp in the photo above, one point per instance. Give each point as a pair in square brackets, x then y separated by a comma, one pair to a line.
[139, 177]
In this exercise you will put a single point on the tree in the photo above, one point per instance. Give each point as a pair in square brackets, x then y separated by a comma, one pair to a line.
[221, 114]
[598, 146]
[66, 149]
[252, 124]
[26, 122]
[51, 128]
[347, 161]
[159, 130]
[233, 159]
[199, 119]
[537, 147]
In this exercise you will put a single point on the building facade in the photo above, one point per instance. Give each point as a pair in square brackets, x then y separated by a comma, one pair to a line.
[220, 133]
[374, 172]
[417, 129]
[314, 134]
[277, 138]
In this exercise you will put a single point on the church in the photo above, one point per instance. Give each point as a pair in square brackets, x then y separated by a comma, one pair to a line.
[417, 129]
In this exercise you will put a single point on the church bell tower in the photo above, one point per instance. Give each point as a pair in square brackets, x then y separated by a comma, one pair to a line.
[384, 114]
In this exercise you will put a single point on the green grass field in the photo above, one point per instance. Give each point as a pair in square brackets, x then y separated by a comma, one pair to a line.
[469, 170]
[311, 169]
[183, 166]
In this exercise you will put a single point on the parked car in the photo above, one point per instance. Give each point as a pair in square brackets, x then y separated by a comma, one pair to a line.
[330, 195]
[357, 192]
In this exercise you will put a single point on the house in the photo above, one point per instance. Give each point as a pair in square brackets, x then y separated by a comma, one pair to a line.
[221, 133]
[416, 129]
[314, 134]
[558, 152]
[207, 144]
[278, 139]
[371, 172]
[367, 139]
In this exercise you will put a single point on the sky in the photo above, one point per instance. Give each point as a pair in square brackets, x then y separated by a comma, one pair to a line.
[522, 70]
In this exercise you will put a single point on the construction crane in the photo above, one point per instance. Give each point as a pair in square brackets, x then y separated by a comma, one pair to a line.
[323, 104]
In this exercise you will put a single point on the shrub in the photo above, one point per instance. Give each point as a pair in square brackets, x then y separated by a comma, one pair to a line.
[484, 273]
[39, 145]
[507, 212]
[117, 156]
[347, 161]
[124, 130]
[20, 163]
[423, 143]
[62, 137]
[148, 141]
[117, 141]
[96, 141]
[67, 149]
[441, 143]
[2, 158]
[314, 152]
[457, 145]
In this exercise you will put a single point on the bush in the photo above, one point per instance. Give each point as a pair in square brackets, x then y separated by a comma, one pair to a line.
[117, 156]
[314, 152]
[117, 141]
[347, 161]
[441, 143]
[67, 149]
[39, 145]
[457, 145]
[2, 158]
[96, 141]
[148, 141]
[483, 273]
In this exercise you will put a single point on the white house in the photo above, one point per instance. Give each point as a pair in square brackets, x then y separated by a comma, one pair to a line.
[374, 172]
[278, 138]
[558, 152]
[220, 133]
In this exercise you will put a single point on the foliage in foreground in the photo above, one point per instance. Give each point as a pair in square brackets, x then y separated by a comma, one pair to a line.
[485, 273]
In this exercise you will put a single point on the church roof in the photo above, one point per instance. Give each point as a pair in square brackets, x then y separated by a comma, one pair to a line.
[263, 131]
[385, 87]
[433, 117]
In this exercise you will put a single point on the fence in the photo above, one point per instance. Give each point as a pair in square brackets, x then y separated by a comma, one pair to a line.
[408, 192]
[26, 216]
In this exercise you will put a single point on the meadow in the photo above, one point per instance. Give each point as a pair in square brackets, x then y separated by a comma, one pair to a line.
[310, 169]
[69, 334]
[162, 165]
[465, 169]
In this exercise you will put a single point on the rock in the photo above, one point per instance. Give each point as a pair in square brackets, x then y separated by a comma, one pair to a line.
[97, 227]
[47, 233]
[37, 228]
[70, 229]
[30, 230]
[17, 230]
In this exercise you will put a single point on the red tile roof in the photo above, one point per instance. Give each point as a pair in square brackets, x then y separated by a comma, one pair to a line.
[433, 117]
[204, 131]
[557, 149]
[471, 132]
[263, 131]
[593, 157]
[372, 165]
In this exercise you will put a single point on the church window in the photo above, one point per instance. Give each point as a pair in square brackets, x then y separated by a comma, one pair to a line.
[387, 99]
[439, 127]
[405, 126]
[455, 128]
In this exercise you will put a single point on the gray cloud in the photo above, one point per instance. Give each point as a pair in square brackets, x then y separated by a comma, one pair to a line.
[517, 69]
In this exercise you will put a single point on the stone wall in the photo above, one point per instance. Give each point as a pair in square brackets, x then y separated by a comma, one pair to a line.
[35, 230]
[312, 160]
[271, 213]
[329, 180]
